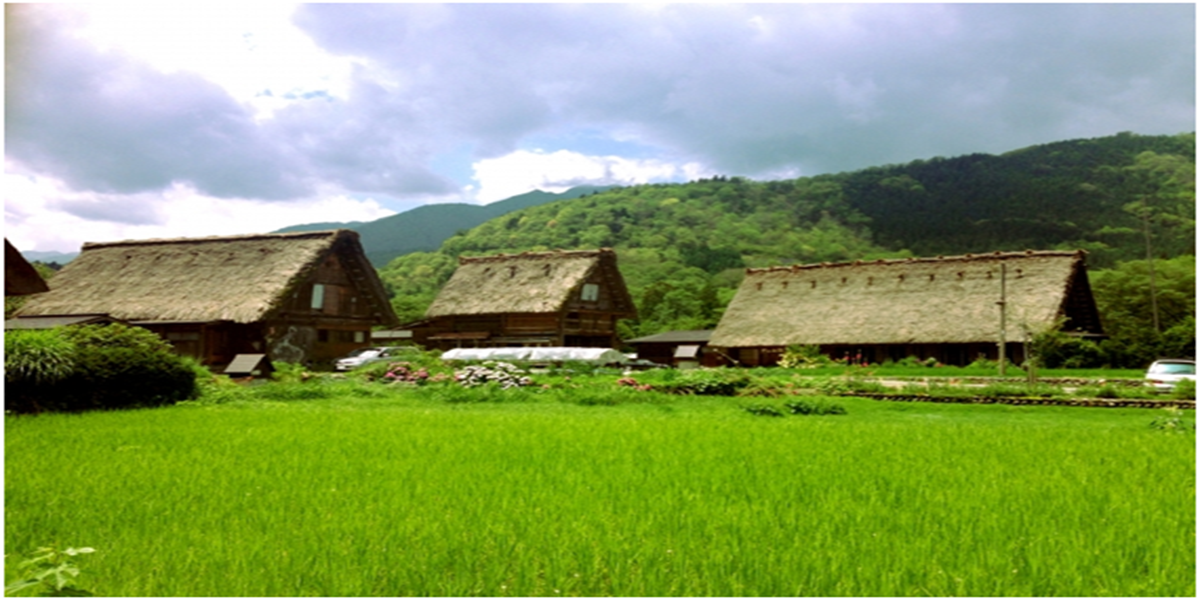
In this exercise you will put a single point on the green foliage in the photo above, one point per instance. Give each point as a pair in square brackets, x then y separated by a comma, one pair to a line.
[803, 357]
[289, 372]
[983, 363]
[815, 407]
[49, 572]
[763, 410]
[37, 356]
[844, 385]
[1174, 421]
[1123, 299]
[697, 382]
[1018, 390]
[1113, 392]
[1058, 350]
[111, 366]
[1184, 390]
[1072, 193]
[373, 502]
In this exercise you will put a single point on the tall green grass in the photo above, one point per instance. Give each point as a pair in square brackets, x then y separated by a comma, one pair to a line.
[407, 495]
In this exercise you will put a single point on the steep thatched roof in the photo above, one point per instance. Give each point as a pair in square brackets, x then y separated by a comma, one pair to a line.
[907, 301]
[239, 278]
[20, 278]
[530, 282]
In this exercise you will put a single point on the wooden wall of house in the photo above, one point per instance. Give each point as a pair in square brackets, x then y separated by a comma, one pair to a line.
[577, 328]
[213, 344]
[324, 319]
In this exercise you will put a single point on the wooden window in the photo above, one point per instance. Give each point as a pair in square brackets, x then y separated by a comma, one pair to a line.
[318, 296]
[591, 292]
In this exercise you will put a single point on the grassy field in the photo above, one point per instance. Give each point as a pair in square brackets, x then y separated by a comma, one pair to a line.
[363, 490]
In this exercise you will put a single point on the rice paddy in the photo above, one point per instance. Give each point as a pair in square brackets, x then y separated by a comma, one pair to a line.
[401, 494]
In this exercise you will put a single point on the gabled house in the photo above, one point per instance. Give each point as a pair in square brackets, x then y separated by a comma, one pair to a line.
[297, 297]
[946, 308]
[556, 298]
[20, 278]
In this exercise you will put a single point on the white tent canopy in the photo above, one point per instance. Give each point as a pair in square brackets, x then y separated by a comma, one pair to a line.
[538, 354]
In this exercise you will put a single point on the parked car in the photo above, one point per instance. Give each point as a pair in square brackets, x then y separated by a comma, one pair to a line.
[1164, 374]
[364, 356]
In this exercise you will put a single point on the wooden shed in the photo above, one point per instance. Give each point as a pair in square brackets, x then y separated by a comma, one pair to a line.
[676, 348]
[561, 298]
[20, 278]
[297, 297]
[946, 308]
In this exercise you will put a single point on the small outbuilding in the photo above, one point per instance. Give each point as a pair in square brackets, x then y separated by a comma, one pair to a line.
[946, 308]
[677, 348]
[560, 298]
[306, 297]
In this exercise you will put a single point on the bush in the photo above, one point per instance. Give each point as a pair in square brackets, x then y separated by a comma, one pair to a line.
[1057, 350]
[505, 375]
[836, 385]
[814, 407]
[111, 366]
[983, 362]
[37, 356]
[1184, 390]
[286, 372]
[763, 410]
[804, 357]
[1019, 390]
[700, 382]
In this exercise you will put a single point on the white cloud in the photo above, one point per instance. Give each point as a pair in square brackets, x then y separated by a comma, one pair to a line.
[41, 213]
[524, 170]
[248, 49]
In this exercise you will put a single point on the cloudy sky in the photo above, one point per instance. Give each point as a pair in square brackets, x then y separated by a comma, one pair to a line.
[130, 120]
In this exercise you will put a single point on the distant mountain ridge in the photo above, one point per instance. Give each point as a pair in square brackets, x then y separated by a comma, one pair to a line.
[683, 247]
[61, 258]
[423, 229]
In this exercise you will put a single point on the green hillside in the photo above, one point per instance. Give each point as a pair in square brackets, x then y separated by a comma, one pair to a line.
[425, 228]
[683, 247]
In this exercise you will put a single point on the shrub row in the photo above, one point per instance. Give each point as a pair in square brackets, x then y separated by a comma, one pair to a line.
[92, 367]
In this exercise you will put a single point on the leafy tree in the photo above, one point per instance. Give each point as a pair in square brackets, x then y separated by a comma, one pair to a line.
[1123, 299]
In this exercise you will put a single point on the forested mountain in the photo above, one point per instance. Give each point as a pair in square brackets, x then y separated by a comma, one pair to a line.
[683, 247]
[426, 227]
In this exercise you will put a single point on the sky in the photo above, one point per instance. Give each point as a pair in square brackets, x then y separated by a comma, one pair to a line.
[134, 120]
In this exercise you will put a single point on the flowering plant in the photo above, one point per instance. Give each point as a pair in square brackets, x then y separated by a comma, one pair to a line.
[633, 383]
[405, 372]
[507, 375]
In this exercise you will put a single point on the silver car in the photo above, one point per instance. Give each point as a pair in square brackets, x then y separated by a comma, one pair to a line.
[359, 358]
[1164, 374]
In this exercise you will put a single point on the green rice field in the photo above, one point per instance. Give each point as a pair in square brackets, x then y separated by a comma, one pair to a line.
[403, 494]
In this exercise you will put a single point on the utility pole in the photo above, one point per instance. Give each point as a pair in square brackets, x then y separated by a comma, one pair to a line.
[1003, 322]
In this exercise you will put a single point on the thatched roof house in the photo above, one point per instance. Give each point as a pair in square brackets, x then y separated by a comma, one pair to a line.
[945, 307]
[561, 298]
[297, 296]
[20, 278]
